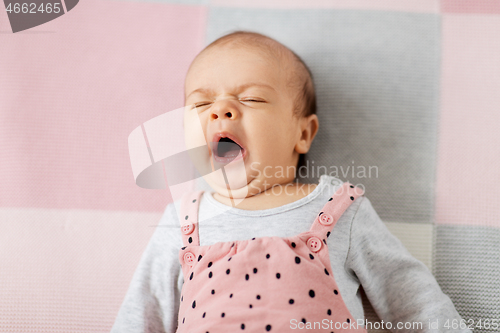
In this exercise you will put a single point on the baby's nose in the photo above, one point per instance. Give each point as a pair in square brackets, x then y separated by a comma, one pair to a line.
[223, 110]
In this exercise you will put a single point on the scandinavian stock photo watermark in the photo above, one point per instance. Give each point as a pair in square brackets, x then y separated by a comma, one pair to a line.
[273, 176]
[435, 324]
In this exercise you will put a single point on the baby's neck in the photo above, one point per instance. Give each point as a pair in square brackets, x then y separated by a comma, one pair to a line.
[272, 197]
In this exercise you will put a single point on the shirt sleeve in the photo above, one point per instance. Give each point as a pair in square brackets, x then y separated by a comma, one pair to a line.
[400, 288]
[152, 301]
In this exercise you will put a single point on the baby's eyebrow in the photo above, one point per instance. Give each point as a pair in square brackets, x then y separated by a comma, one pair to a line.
[240, 88]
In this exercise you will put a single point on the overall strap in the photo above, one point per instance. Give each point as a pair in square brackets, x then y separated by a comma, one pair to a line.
[335, 207]
[189, 218]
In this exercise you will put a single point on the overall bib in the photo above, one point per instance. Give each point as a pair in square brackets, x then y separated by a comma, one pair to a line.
[265, 284]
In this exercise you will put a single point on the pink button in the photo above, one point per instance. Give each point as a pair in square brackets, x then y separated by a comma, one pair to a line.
[314, 243]
[187, 229]
[326, 219]
[189, 258]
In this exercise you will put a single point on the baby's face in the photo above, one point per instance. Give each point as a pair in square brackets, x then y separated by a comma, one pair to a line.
[241, 93]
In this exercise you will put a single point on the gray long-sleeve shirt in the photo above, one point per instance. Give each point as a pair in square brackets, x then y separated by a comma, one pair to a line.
[361, 248]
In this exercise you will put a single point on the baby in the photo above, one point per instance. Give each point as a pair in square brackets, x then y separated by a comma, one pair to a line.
[248, 257]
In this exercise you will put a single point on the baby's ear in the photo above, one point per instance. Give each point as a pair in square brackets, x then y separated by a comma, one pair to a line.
[309, 128]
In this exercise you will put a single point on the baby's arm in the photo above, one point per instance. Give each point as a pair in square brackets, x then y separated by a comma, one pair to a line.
[152, 300]
[399, 287]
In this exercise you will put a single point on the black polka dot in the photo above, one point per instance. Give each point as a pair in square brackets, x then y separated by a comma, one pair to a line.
[291, 301]
[352, 198]
[213, 291]
[229, 259]
[351, 186]
[242, 326]
[330, 199]
[190, 240]
[253, 238]
[326, 272]
[324, 241]
[255, 270]
[194, 304]
[329, 312]
[191, 276]
[228, 271]
[210, 264]
[231, 296]
[328, 234]
[199, 257]
[293, 244]
[210, 275]
[311, 256]
[268, 328]
[311, 293]
[250, 306]
[297, 260]
[278, 275]
[258, 296]
[183, 248]
[204, 313]
[304, 320]
[267, 256]
[320, 214]
[232, 245]
[183, 320]
[348, 320]
[247, 277]
[186, 217]
[335, 291]
[222, 314]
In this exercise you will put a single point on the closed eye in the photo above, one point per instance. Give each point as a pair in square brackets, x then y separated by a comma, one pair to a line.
[198, 105]
[253, 100]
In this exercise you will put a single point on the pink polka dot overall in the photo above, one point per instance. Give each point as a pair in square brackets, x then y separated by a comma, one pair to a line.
[265, 284]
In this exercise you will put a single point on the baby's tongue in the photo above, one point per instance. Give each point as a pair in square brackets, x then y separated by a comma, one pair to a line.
[228, 148]
[233, 152]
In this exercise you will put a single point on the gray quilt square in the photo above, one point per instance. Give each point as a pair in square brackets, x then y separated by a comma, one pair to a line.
[467, 267]
[377, 82]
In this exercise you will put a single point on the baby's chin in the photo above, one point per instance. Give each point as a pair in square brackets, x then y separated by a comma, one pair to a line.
[231, 180]
[236, 188]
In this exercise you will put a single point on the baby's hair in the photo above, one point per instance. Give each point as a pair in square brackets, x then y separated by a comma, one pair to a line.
[301, 77]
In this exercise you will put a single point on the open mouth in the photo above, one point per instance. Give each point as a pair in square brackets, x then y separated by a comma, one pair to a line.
[226, 150]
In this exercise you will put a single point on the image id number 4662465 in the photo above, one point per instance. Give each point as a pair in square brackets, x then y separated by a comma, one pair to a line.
[473, 324]
[33, 8]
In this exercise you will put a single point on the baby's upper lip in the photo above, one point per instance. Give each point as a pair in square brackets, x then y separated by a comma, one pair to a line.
[223, 134]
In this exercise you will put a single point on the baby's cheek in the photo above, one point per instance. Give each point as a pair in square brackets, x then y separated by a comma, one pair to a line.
[193, 131]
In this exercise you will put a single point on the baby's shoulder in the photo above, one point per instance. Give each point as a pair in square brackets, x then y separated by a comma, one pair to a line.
[335, 186]
[167, 231]
[170, 216]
